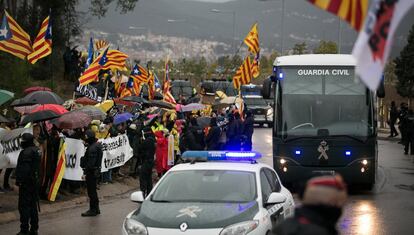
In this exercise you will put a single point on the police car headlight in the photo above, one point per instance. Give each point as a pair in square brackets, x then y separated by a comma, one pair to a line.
[242, 228]
[134, 227]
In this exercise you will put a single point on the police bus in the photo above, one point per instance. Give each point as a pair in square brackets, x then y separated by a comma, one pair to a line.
[325, 119]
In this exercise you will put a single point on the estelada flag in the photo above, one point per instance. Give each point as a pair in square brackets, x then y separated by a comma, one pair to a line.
[116, 60]
[60, 171]
[252, 40]
[13, 39]
[352, 11]
[42, 45]
[243, 74]
[373, 46]
[91, 73]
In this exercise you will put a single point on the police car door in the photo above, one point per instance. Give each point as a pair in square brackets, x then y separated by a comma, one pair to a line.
[270, 184]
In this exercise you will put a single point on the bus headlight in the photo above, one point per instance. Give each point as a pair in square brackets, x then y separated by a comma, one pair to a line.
[282, 161]
[364, 162]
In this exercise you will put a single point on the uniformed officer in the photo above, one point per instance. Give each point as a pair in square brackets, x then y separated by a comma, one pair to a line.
[147, 152]
[91, 165]
[27, 177]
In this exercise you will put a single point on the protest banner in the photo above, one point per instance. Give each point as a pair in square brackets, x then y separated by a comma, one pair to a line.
[10, 146]
[73, 152]
[116, 152]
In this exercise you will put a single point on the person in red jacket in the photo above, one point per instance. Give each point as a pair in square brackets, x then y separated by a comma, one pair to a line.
[161, 153]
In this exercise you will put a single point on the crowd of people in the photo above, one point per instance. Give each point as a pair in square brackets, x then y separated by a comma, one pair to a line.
[405, 118]
[151, 132]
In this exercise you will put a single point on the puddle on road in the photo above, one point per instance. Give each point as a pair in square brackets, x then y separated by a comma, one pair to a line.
[360, 218]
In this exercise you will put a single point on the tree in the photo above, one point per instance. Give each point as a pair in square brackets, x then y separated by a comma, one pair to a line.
[404, 68]
[300, 48]
[100, 7]
[389, 73]
[326, 47]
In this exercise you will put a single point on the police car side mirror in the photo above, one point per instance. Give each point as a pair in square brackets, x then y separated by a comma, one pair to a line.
[276, 198]
[137, 197]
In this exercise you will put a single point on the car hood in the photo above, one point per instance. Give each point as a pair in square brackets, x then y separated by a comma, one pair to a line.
[196, 215]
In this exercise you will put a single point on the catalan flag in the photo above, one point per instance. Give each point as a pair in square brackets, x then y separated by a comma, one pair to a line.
[138, 77]
[256, 66]
[60, 171]
[101, 44]
[116, 60]
[243, 74]
[42, 45]
[252, 40]
[91, 73]
[13, 39]
[151, 85]
[352, 11]
[167, 86]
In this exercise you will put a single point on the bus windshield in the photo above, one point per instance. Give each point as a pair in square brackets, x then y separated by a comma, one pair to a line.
[323, 101]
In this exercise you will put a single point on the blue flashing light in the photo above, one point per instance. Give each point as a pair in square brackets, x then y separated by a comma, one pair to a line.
[221, 155]
[280, 75]
[298, 152]
[348, 153]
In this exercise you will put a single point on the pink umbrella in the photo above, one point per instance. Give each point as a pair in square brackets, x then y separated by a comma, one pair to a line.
[192, 107]
[36, 88]
[25, 109]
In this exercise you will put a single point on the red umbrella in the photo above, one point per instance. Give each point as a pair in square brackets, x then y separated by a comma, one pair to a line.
[36, 88]
[72, 120]
[123, 102]
[86, 101]
[58, 109]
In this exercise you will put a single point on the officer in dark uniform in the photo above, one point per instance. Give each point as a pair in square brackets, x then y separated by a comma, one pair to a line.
[409, 138]
[27, 177]
[91, 165]
[147, 152]
[403, 122]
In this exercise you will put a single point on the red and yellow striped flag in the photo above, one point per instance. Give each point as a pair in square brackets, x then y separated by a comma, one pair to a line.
[151, 86]
[256, 66]
[252, 40]
[116, 60]
[42, 45]
[352, 11]
[91, 73]
[60, 171]
[243, 74]
[13, 39]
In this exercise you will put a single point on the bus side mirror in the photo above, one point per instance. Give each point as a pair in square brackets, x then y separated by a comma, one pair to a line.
[267, 88]
[381, 90]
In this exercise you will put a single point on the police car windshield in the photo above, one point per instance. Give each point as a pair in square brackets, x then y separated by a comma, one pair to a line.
[324, 99]
[214, 186]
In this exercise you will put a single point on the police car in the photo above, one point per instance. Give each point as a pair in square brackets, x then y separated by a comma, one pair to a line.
[223, 193]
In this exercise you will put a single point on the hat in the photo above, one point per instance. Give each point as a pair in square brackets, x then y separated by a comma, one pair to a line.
[325, 190]
[27, 138]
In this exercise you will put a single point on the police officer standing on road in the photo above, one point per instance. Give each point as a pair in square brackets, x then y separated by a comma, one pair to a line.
[147, 152]
[403, 122]
[409, 138]
[91, 165]
[27, 176]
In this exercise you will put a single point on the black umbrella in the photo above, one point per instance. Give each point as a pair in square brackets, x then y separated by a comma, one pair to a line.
[39, 117]
[20, 102]
[136, 99]
[161, 104]
[42, 97]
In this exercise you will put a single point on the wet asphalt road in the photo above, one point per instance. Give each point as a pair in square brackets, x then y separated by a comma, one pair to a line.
[388, 209]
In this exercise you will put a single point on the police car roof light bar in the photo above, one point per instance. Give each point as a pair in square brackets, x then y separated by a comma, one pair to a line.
[250, 156]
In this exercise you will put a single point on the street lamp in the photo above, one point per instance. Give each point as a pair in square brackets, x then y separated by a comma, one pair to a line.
[234, 24]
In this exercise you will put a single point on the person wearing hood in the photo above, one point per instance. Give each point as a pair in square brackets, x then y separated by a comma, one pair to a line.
[322, 203]
[27, 179]
[91, 165]
[147, 151]
[213, 135]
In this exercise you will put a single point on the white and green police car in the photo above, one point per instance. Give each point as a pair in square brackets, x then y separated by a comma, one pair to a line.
[226, 193]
